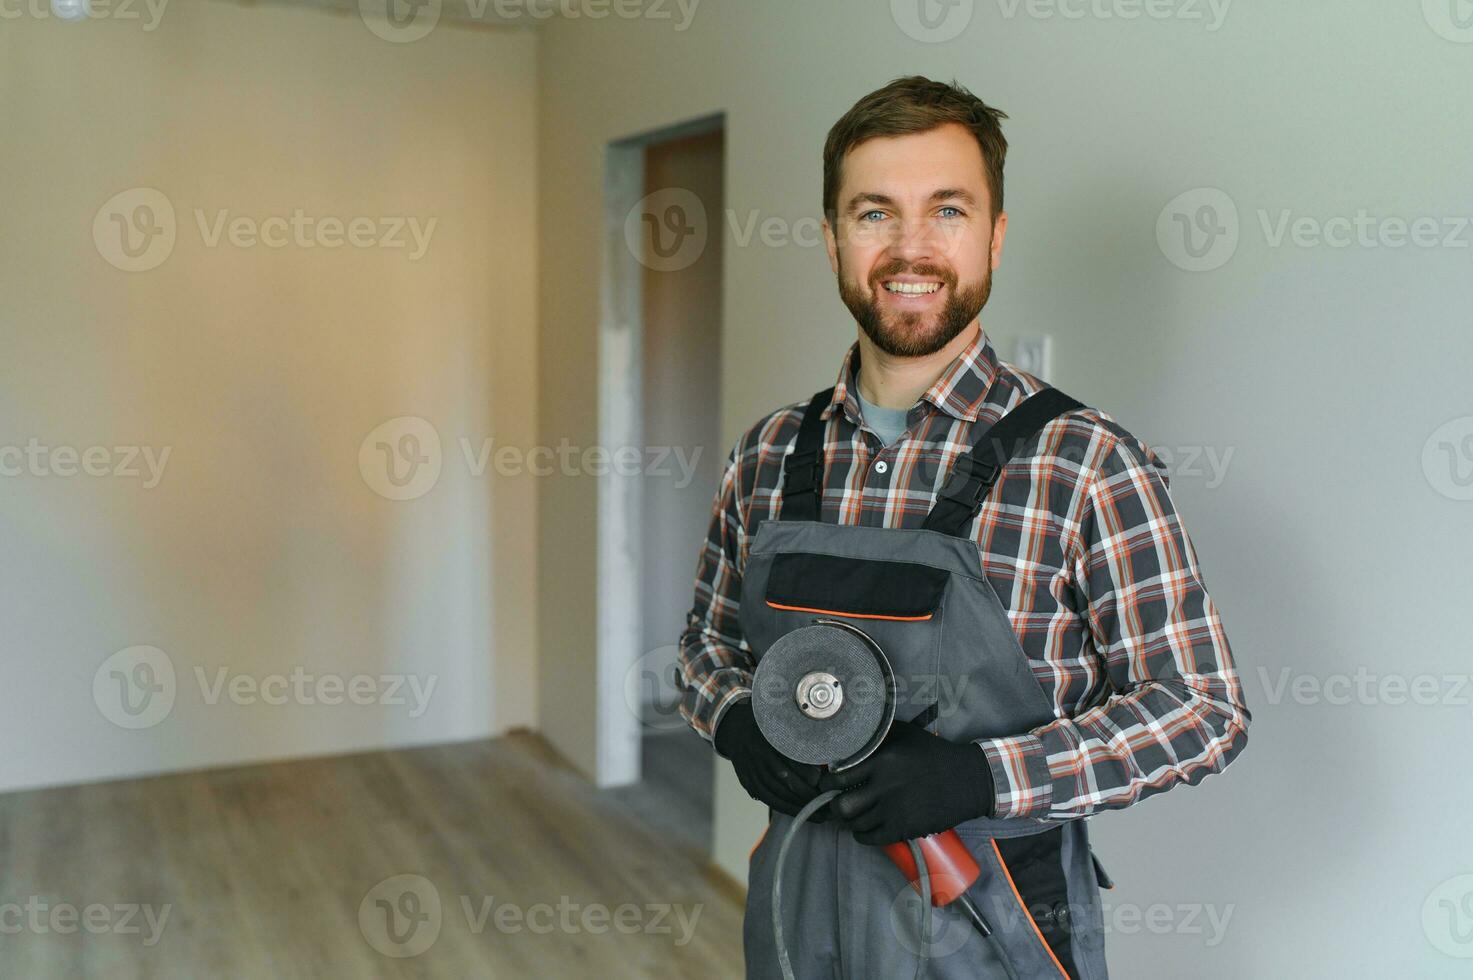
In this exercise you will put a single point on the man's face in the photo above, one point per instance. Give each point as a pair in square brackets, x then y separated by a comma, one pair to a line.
[914, 214]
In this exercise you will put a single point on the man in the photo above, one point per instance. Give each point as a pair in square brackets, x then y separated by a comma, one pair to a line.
[1099, 589]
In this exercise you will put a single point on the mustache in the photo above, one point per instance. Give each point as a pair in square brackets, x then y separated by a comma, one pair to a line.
[946, 276]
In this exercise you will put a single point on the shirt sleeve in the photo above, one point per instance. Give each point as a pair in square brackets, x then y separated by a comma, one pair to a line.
[1175, 710]
[716, 664]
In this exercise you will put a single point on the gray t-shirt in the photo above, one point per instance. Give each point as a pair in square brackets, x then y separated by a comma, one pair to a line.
[888, 422]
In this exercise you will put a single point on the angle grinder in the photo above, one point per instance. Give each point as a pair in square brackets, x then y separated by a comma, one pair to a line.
[825, 695]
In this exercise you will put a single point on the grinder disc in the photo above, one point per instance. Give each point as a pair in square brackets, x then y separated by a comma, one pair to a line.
[824, 694]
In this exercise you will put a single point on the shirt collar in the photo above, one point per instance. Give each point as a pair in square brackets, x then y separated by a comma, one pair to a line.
[959, 391]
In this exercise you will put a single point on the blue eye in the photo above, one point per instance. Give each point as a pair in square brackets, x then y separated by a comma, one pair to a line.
[950, 208]
[868, 213]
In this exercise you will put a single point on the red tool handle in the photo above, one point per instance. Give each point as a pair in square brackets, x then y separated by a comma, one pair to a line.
[951, 867]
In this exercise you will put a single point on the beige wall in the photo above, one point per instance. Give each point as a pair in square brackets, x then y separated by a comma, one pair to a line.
[263, 549]
[1324, 371]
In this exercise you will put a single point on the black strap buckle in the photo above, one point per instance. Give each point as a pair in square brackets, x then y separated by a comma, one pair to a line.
[970, 480]
[801, 471]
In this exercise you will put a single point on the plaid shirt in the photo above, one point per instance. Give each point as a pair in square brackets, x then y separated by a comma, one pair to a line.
[1085, 549]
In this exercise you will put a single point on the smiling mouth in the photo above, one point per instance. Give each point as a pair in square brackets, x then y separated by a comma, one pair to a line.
[911, 288]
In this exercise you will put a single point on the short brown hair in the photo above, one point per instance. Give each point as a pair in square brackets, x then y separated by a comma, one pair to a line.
[914, 104]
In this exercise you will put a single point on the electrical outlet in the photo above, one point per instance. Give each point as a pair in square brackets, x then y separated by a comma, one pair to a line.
[1035, 355]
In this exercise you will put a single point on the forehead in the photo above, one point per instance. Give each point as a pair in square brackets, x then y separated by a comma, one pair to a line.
[915, 164]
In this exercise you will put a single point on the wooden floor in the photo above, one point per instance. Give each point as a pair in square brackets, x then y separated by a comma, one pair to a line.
[276, 871]
[674, 796]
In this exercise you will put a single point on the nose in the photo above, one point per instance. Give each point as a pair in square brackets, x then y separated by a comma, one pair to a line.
[916, 240]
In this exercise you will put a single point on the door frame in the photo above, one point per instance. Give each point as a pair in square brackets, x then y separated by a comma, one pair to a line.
[620, 550]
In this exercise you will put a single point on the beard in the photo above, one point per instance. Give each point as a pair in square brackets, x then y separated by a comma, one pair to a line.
[905, 333]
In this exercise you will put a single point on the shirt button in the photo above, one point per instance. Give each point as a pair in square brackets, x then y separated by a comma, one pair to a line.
[882, 467]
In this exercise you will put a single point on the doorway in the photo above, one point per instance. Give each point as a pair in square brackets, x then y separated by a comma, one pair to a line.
[659, 380]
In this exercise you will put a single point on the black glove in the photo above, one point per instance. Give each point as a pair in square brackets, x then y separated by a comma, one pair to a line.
[913, 785]
[766, 774]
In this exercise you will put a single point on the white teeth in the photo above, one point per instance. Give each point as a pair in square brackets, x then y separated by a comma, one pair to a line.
[913, 288]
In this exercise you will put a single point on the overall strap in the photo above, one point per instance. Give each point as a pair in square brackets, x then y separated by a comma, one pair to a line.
[973, 474]
[803, 469]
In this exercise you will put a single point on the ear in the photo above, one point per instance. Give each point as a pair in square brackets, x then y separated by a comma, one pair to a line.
[831, 243]
[999, 232]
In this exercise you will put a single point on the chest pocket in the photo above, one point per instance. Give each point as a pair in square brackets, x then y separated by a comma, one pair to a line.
[858, 588]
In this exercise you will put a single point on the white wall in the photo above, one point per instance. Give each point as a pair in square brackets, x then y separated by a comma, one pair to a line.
[263, 550]
[681, 364]
[1323, 370]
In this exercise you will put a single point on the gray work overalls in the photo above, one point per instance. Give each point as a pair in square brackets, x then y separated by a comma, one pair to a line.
[921, 594]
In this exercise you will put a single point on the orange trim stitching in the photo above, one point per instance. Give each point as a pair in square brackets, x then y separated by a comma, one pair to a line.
[1009, 876]
[760, 839]
[835, 612]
